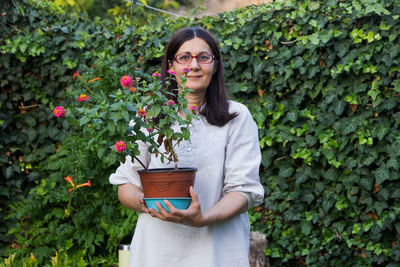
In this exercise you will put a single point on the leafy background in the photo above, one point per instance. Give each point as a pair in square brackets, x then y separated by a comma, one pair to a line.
[321, 79]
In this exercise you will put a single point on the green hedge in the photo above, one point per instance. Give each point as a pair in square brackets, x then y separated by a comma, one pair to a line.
[321, 79]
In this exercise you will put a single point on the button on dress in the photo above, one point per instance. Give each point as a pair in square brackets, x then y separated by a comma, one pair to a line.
[227, 159]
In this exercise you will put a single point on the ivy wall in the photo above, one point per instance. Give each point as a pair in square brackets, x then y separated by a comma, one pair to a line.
[321, 79]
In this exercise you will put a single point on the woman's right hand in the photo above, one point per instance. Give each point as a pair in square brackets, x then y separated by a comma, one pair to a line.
[131, 197]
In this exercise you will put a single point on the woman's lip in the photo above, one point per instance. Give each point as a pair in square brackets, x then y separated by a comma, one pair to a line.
[194, 77]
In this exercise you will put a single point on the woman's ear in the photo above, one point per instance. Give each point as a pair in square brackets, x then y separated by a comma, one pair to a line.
[215, 67]
[169, 65]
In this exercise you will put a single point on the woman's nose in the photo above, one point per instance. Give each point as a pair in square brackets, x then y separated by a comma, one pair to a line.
[194, 64]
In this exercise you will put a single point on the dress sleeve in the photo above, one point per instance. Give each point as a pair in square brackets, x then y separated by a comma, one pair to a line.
[127, 172]
[243, 158]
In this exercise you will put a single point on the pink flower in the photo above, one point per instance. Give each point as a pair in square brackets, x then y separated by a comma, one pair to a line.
[120, 146]
[76, 73]
[141, 112]
[83, 97]
[170, 102]
[156, 74]
[126, 81]
[171, 71]
[150, 129]
[59, 112]
[194, 107]
[186, 70]
[132, 89]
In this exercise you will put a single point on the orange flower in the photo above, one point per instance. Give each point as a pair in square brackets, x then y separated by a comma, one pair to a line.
[84, 184]
[69, 180]
[95, 79]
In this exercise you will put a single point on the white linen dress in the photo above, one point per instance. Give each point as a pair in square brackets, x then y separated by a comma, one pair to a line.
[227, 159]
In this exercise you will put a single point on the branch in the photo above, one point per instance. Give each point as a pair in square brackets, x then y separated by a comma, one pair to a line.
[289, 42]
[26, 107]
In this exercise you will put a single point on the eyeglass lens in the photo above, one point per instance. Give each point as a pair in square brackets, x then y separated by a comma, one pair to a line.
[186, 58]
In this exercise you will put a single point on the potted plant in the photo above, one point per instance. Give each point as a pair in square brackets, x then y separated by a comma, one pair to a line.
[140, 108]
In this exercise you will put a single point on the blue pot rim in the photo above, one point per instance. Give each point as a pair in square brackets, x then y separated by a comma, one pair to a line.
[169, 198]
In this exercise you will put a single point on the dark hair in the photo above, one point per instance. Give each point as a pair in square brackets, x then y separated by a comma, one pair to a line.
[216, 110]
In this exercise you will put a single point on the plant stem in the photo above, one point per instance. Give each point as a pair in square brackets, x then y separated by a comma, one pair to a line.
[80, 77]
[175, 166]
[141, 163]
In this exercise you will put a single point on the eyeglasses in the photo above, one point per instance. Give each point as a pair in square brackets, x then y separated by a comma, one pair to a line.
[202, 58]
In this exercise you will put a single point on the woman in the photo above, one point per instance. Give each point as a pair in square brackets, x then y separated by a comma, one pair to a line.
[214, 230]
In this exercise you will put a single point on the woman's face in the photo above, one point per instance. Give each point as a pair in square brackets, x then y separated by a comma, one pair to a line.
[199, 75]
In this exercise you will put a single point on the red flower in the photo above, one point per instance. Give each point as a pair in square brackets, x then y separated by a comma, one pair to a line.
[120, 146]
[83, 97]
[156, 74]
[76, 73]
[141, 112]
[132, 89]
[170, 102]
[59, 112]
[171, 71]
[194, 107]
[126, 81]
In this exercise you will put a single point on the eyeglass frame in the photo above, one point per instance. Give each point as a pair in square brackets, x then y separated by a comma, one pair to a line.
[192, 57]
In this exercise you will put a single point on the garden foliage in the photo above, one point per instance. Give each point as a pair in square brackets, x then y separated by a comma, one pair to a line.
[321, 79]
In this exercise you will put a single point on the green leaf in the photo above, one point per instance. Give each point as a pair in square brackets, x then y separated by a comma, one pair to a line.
[306, 227]
[339, 107]
[356, 229]
[154, 111]
[356, 5]
[301, 177]
[314, 38]
[84, 120]
[314, 5]
[382, 130]
[397, 227]
[168, 133]
[327, 204]
[373, 94]
[350, 127]
[366, 183]
[382, 174]
[331, 174]
[379, 206]
[115, 116]
[286, 171]
[367, 225]
[111, 127]
[297, 62]
[185, 133]
[292, 116]
[392, 163]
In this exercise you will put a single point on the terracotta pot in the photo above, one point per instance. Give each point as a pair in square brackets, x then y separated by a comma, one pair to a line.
[168, 182]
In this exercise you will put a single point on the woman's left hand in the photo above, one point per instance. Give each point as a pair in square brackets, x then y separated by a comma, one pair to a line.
[191, 216]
